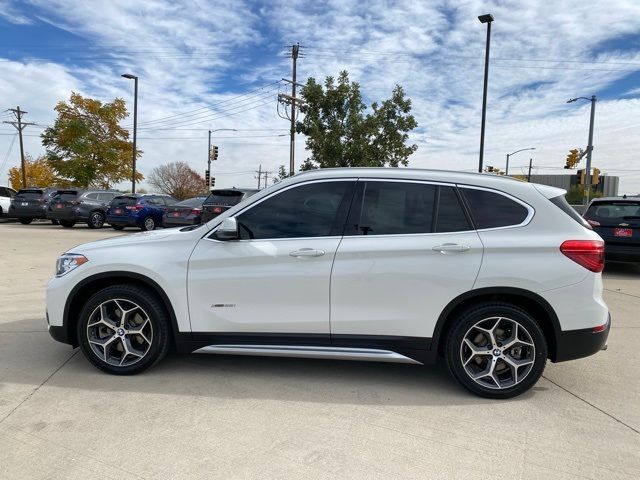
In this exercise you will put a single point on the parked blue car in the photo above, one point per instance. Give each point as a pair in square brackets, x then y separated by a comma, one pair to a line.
[135, 210]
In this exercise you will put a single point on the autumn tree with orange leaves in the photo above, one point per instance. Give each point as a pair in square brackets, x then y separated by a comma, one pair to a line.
[38, 173]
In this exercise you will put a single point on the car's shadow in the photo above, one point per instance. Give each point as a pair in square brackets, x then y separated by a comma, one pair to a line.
[622, 269]
[246, 377]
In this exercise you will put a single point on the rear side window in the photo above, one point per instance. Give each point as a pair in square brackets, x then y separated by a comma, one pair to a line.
[561, 202]
[451, 216]
[106, 197]
[394, 208]
[66, 196]
[154, 201]
[493, 210]
[92, 196]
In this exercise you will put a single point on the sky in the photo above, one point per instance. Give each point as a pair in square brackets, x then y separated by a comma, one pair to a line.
[219, 65]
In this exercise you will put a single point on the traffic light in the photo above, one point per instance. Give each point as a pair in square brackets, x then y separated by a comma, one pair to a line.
[572, 159]
[213, 181]
[595, 178]
[206, 177]
[581, 176]
[213, 154]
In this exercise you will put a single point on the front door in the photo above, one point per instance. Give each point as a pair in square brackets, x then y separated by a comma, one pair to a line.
[408, 250]
[275, 278]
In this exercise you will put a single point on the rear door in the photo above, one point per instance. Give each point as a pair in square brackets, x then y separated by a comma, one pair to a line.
[408, 250]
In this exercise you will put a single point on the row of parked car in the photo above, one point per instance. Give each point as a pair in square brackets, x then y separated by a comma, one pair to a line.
[68, 207]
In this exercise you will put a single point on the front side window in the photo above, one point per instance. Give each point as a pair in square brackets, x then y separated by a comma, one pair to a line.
[492, 210]
[393, 208]
[305, 211]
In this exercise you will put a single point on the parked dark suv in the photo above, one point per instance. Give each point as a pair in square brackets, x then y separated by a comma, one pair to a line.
[617, 221]
[72, 206]
[31, 203]
[223, 199]
[135, 210]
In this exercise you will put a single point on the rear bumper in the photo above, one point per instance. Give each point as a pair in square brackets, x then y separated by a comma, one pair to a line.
[28, 212]
[622, 253]
[572, 344]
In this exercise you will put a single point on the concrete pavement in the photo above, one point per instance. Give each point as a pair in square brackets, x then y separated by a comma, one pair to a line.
[242, 417]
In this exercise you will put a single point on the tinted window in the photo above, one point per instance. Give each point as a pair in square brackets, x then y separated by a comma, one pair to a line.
[191, 202]
[614, 211]
[391, 208]
[92, 196]
[491, 210]
[154, 201]
[30, 193]
[451, 217]
[123, 201]
[224, 198]
[561, 202]
[4, 192]
[313, 210]
[66, 196]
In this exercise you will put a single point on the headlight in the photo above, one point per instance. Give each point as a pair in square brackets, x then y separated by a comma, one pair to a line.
[68, 262]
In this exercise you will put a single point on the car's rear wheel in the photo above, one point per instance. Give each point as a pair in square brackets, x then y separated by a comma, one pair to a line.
[496, 350]
[67, 223]
[123, 329]
[118, 227]
[25, 220]
[148, 224]
[96, 220]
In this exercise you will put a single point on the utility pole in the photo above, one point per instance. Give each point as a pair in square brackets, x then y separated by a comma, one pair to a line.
[488, 19]
[292, 100]
[530, 165]
[209, 163]
[20, 125]
[589, 150]
[266, 178]
[259, 172]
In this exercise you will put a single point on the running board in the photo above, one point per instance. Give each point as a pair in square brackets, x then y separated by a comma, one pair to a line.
[333, 353]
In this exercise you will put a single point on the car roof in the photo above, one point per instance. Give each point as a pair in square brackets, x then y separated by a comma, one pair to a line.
[616, 199]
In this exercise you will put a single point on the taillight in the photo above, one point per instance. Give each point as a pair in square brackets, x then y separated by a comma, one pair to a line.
[600, 328]
[196, 211]
[593, 223]
[137, 207]
[587, 253]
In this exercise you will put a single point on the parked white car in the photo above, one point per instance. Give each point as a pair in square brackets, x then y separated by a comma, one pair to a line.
[6, 194]
[396, 265]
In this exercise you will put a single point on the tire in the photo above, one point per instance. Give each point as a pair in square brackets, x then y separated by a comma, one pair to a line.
[25, 220]
[516, 365]
[141, 307]
[148, 224]
[55, 222]
[117, 227]
[96, 220]
[67, 223]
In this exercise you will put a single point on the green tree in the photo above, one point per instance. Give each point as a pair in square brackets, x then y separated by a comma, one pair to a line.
[575, 195]
[87, 146]
[341, 133]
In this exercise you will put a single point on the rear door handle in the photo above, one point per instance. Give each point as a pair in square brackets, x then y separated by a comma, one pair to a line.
[451, 247]
[307, 252]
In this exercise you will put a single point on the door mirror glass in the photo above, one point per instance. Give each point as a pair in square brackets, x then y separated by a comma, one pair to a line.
[228, 230]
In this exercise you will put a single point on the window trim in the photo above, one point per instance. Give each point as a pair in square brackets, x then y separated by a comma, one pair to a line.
[210, 235]
[530, 210]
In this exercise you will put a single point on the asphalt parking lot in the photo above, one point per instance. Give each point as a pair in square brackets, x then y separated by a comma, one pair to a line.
[242, 417]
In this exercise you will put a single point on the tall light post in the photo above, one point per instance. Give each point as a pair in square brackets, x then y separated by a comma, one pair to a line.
[135, 127]
[488, 19]
[506, 171]
[587, 179]
[209, 150]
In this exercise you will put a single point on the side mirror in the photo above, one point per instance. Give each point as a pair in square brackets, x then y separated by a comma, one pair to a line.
[228, 230]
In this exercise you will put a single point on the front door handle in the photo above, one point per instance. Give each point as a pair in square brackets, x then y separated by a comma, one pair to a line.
[451, 247]
[307, 252]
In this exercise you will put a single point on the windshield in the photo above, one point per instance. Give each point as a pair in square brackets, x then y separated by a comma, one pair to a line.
[613, 211]
[124, 201]
[225, 198]
[191, 202]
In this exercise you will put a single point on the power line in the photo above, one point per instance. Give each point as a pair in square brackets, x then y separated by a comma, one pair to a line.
[20, 126]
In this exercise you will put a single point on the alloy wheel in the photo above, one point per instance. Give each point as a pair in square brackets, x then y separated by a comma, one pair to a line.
[497, 352]
[97, 220]
[149, 223]
[119, 332]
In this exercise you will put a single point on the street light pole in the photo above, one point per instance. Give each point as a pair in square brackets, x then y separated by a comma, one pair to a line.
[506, 171]
[135, 127]
[488, 19]
[587, 179]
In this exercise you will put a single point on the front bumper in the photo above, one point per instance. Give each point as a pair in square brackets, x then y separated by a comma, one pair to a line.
[572, 344]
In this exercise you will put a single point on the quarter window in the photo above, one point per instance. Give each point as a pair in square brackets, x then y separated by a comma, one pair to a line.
[394, 208]
[311, 210]
[492, 210]
[92, 196]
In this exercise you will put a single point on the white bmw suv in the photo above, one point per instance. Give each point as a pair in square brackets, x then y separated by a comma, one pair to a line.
[390, 265]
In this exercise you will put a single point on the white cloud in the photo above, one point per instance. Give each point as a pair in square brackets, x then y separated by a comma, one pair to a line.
[434, 49]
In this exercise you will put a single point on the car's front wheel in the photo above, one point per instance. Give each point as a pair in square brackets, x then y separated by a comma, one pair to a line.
[496, 350]
[96, 220]
[123, 329]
